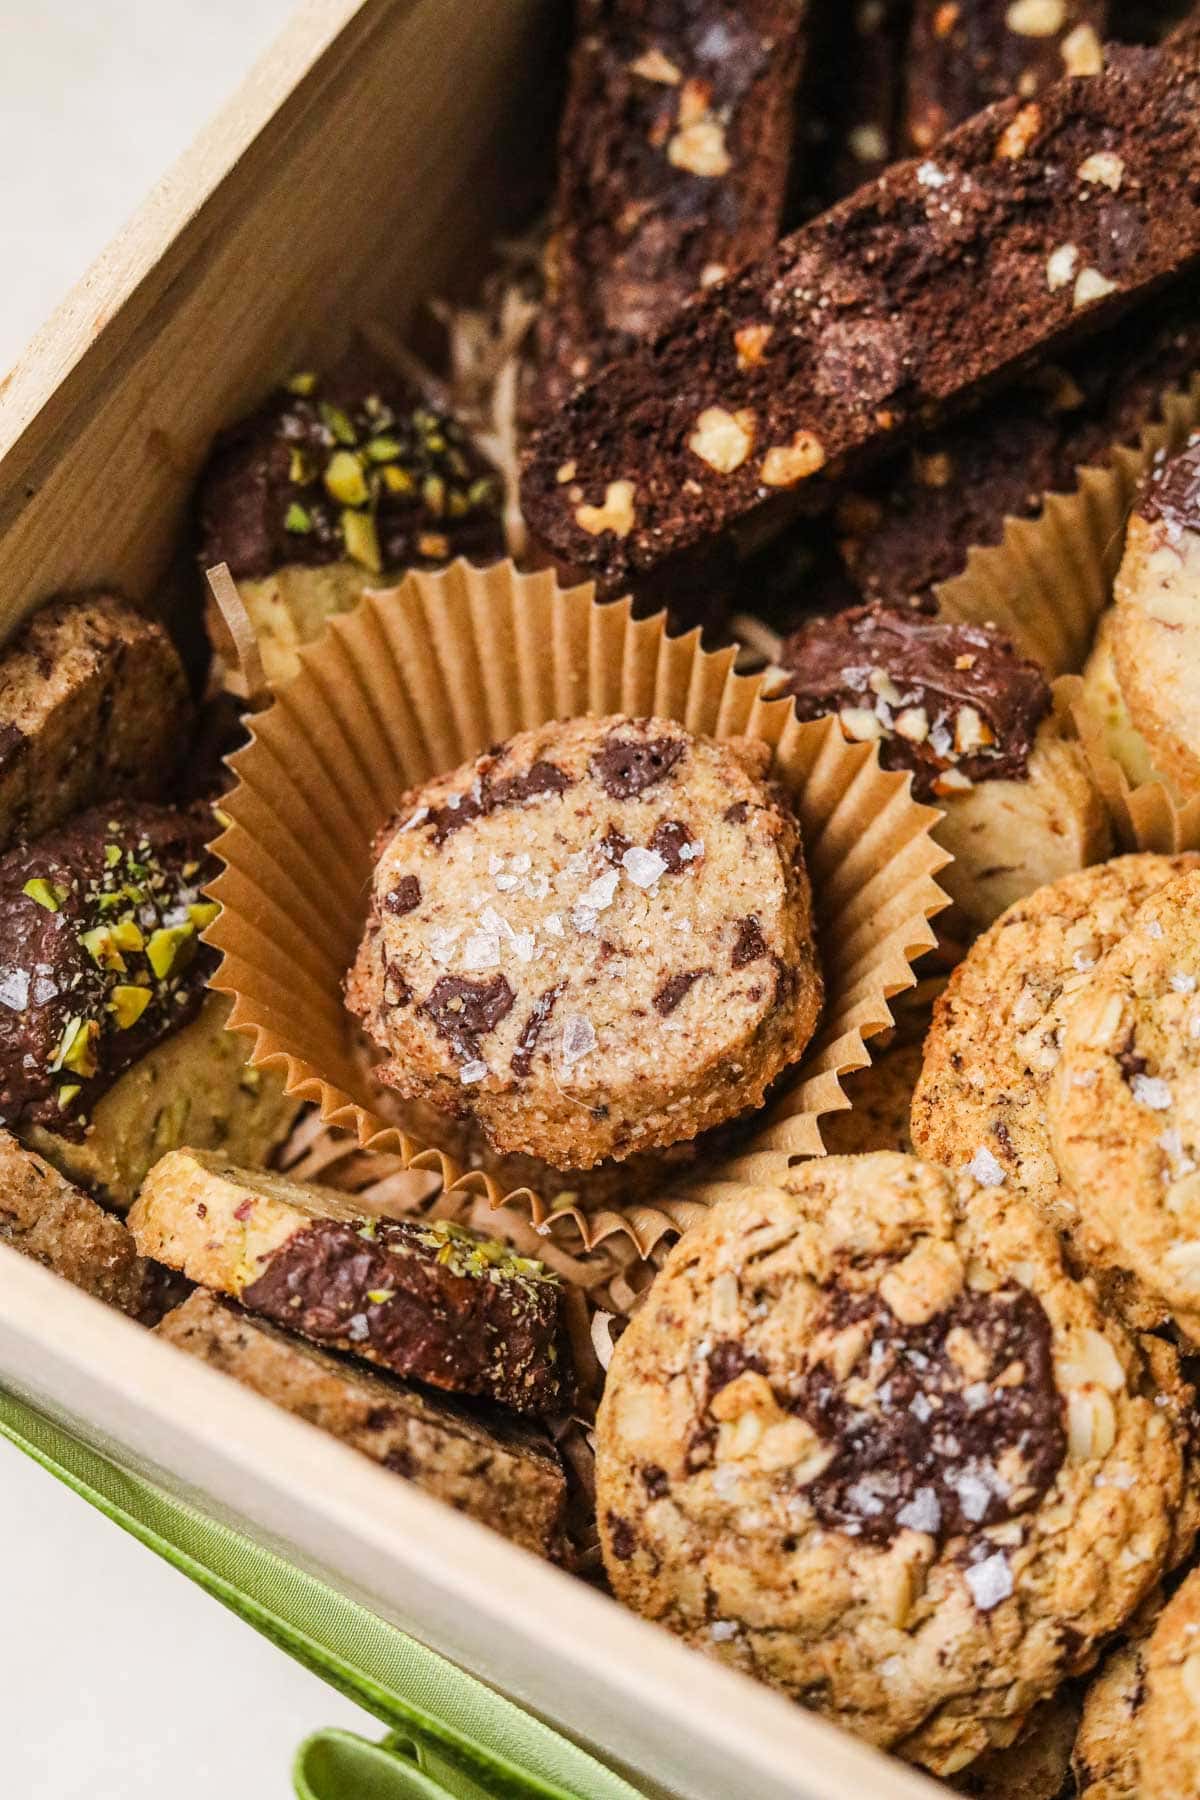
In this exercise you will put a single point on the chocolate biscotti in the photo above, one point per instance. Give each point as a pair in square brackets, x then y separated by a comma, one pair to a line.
[903, 302]
[594, 939]
[421, 1297]
[498, 1470]
[966, 55]
[673, 164]
[93, 706]
[334, 484]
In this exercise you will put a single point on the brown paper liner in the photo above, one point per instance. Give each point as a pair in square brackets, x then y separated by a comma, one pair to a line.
[1046, 584]
[422, 677]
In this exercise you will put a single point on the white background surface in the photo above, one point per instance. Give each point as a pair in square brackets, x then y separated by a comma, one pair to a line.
[118, 1679]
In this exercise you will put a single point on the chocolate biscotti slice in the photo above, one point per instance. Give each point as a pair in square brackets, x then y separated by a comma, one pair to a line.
[672, 168]
[901, 304]
[421, 1297]
[335, 484]
[47, 1218]
[967, 55]
[93, 707]
[501, 1471]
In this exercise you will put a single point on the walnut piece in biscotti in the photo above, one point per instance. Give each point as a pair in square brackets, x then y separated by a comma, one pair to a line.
[868, 1440]
[336, 484]
[673, 164]
[883, 314]
[964, 54]
[996, 1040]
[421, 1297]
[48, 1219]
[93, 707]
[595, 939]
[971, 720]
[1123, 1102]
[496, 1469]
[1156, 626]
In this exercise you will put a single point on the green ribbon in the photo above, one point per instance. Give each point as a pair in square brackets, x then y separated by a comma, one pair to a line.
[451, 1738]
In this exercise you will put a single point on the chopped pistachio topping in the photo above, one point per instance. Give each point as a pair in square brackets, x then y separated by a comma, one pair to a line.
[345, 479]
[203, 912]
[398, 481]
[297, 518]
[338, 422]
[127, 1004]
[301, 469]
[101, 945]
[44, 893]
[302, 383]
[127, 935]
[167, 945]
[67, 1094]
[112, 855]
[384, 449]
[362, 540]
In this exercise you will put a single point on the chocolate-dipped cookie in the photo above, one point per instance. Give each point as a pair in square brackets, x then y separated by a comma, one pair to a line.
[595, 939]
[93, 707]
[499, 1470]
[421, 1297]
[102, 986]
[1156, 628]
[334, 485]
[973, 723]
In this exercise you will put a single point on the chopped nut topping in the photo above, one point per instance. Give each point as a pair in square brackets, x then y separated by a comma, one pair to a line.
[945, 19]
[1091, 285]
[860, 724]
[700, 149]
[1018, 134]
[1104, 167]
[1082, 52]
[785, 464]
[971, 731]
[750, 342]
[615, 515]
[711, 273]
[652, 65]
[868, 144]
[935, 470]
[566, 472]
[723, 439]
[913, 724]
[1036, 18]
[1061, 265]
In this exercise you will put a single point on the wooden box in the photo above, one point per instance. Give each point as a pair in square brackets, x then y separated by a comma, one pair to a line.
[360, 169]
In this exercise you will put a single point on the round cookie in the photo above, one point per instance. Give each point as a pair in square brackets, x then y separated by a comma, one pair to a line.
[1123, 1103]
[994, 1042]
[973, 722]
[1169, 1734]
[1105, 1760]
[595, 939]
[880, 1099]
[1156, 634]
[1037, 1766]
[870, 1442]
[1103, 704]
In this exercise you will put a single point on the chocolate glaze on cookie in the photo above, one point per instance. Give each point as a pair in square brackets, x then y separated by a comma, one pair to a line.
[100, 955]
[357, 466]
[1172, 490]
[955, 704]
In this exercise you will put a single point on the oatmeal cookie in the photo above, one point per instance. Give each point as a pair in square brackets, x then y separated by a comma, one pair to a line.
[502, 1471]
[1106, 1757]
[868, 1440]
[595, 940]
[1169, 1727]
[1123, 1103]
[424, 1298]
[997, 1030]
[1037, 1766]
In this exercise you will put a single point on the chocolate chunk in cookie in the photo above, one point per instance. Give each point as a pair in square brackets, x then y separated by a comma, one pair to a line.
[585, 968]
[423, 1298]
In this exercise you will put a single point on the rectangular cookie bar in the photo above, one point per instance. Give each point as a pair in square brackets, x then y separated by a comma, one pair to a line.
[58, 1225]
[421, 1297]
[1036, 223]
[967, 53]
[502, 1472]
[673, 165]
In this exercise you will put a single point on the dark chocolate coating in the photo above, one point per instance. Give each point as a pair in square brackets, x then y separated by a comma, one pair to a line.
[113, 868]
[1171, 491]
[443, 1312]
[432, 495]
[934, 667]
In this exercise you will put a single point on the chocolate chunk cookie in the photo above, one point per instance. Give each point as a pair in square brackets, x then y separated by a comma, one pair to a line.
[595, 939]
[93, 707]
[1124, 1100]
[499, 1470]
[423, 1298]
[868, 1440]
[1156, 629]
[996, 1040]
[971, 720]
[333, 485]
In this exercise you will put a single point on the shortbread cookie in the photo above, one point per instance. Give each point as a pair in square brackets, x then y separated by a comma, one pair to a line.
[1124, 1100]
[972, 721]
[870, 1442]
[423, 1298]
[501, 1471]
[1037, 1766]
[1106, 1760]
[93, 707]
[1156, 631]
[880, 1101]
[595, 939]
[997, 1031]
[1169, 1727]
[334, 485]
[48, 1219]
